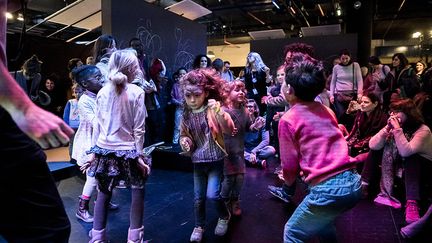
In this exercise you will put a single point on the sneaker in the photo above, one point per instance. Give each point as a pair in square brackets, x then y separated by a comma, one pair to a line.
[383, 200]
[84, 215]
[279, 193]
[221, 227]
[411, 211]
[197, 234]
[235, 208]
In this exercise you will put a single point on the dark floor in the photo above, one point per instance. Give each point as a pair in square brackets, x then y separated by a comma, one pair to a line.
[169, 212]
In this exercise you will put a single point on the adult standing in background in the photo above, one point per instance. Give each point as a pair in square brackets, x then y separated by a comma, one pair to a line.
[104, 46]
[256, 77]
[136, 44]
[201, 61]
[227, 74]
[346, 83]
[24, 175]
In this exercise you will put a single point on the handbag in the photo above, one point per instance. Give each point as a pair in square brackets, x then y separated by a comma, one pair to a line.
[346, 97]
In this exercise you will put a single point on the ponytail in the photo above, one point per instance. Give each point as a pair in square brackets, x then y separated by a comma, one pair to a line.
[119, 80]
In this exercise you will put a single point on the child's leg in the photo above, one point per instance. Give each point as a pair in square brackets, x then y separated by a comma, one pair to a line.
[266, 152]
[238, 185]
[100, 210]
[177, 119]
[316, 212]
[215, 176]
[200, 191]
[227, 187]
[89, 186]
[137, 208]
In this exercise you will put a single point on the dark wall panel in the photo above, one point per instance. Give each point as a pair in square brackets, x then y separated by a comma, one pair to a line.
[165, 35]
[271, 51]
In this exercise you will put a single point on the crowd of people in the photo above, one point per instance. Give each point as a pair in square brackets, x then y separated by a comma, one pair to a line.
[340, 131]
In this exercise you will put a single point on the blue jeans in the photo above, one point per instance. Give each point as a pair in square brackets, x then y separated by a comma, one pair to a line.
[207, 183]
[318, 210]
[231, 187]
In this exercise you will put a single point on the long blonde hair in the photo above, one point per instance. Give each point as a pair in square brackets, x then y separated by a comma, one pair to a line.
[123, 66]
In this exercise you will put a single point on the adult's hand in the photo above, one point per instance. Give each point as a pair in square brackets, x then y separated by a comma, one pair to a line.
[332, 99]
[48, 130]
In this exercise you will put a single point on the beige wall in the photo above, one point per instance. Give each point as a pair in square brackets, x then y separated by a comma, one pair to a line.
[235, 54]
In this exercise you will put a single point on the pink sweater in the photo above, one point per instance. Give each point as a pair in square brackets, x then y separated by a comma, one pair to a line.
[310, 141]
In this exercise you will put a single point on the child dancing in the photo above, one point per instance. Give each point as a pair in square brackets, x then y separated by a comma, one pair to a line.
[234, 163]
[311, 143]
[201, 136]
[119, 140]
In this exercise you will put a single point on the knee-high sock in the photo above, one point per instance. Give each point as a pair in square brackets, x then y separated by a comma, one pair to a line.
[89, 186]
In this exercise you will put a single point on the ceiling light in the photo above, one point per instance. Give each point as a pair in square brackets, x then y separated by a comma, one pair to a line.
[338, 12]
[275, 4]
[8, 15]
[20, 17]
[401, 49]
[292, 10]
[416, 35]
[321, 10]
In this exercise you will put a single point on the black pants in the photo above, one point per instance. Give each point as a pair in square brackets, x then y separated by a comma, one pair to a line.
[31, 209]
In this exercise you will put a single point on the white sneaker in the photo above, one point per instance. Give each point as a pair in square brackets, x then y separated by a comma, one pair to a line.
[197, 234]
[221, 227]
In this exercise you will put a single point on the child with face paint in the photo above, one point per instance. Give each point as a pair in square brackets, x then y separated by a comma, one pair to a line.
[90, 79]
[201, 136]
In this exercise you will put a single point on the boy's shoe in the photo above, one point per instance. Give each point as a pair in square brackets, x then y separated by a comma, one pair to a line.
[197, 234]
[235, 208]
[279, 193]
[411, 211]
[221, 227]
[383, 200]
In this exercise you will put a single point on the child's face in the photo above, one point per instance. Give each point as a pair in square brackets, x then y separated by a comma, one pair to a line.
[194, 96]
[280, 76]
[250, 107]
[95, 81]
[49, 84]
[237, 95]
[181, 73]
[77, 92]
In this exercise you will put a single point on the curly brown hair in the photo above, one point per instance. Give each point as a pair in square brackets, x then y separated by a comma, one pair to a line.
[230, 86]
[208, 80]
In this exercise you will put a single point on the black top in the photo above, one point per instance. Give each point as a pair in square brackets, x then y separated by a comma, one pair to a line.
[15, 146]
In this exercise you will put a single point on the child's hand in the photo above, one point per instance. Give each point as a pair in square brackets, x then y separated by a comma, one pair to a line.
[277, 116]
[264, 99]
[185, 144]
[145, 168]
[252, 158]
[214, 105]
[87, 164]
[259, 123]
[235, 131]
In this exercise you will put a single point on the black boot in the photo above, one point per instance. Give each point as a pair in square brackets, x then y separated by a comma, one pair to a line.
[83, 211]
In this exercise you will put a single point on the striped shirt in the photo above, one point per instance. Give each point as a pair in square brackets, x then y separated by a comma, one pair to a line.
[206, 149]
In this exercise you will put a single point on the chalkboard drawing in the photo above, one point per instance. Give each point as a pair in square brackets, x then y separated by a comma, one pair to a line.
[151, 41]
[183, 56]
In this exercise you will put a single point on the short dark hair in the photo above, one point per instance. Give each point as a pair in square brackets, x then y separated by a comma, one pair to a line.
[217, 64]
[227, 62]
[345, 52]
[374, 60]
[81, 73]
[132, 40]
[306, 76]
